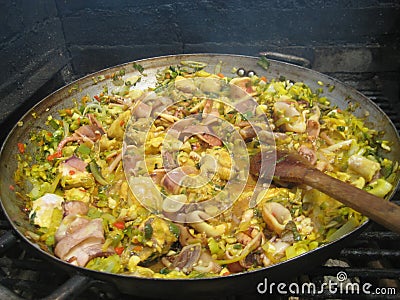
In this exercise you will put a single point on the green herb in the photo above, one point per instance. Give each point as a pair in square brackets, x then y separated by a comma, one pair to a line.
[148, 231]
[263, 62]
[98, 79]
[50, 240]
[237, 246]
[197, 65]
[83, 149]
[32, 217]
[121, 72]
[117, 77]
[257, 213]
[213, 246]
[293, 228]
[111, 264]
[138, 67]
[174, 230]
[341, 128]
[94, 213]
[53, 123]
[94, 168]
[164, 271]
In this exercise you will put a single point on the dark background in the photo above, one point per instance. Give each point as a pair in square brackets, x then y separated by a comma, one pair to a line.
[45, 44]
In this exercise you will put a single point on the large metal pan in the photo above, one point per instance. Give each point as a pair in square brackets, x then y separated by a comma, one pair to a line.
[161, 288]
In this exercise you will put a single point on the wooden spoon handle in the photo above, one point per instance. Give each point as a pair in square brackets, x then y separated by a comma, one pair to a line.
[378, 209]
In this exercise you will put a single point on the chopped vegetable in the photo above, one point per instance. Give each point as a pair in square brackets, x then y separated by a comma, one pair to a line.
[94, 168]
[43, 208]
[163, 222]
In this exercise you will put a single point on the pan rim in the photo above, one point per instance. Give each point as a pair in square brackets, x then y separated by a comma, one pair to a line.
[195, 55]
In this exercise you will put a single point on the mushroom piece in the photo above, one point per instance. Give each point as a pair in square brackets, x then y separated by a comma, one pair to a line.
[185, 260]
[209, 230]
[115, 162]
[251, 260]
[75, 208]
[173, 179]
[207, 107]
[186, 237]
[308, 154]
[243, 238]
[276, 216]
[132, 158]
[313, 129]
[211, 118]
[157, 175]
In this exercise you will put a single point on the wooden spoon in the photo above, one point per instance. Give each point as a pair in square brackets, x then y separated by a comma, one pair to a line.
[292, 167]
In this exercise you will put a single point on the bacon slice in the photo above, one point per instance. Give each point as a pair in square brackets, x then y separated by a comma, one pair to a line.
[82, 242]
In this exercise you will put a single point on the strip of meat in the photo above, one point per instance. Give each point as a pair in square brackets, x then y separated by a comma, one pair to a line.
[91, 132]
[85, 251]
[93, 230]
[70, 224]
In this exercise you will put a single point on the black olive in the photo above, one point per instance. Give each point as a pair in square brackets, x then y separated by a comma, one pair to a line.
[251, 73]
[241, 72]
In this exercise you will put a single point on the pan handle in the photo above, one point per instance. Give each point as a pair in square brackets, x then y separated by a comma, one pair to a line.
[300, 61]
[71, 289]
